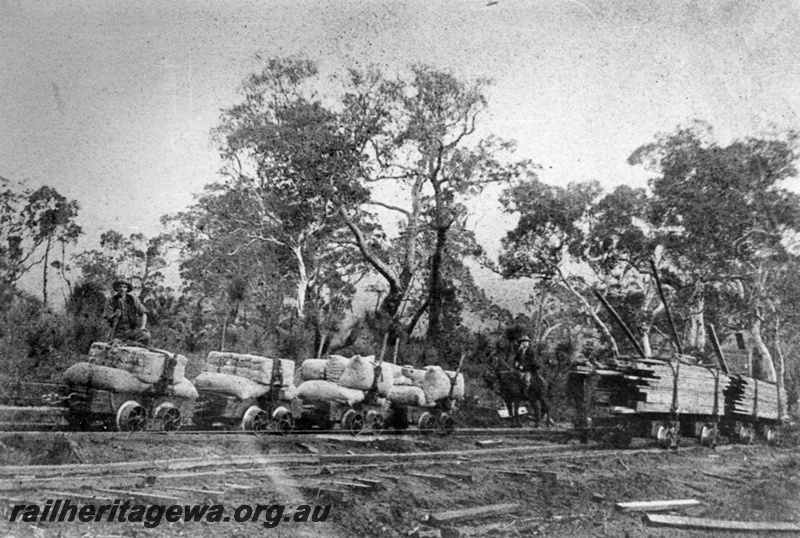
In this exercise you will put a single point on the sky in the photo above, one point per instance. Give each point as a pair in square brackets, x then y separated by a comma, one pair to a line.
[112, 102]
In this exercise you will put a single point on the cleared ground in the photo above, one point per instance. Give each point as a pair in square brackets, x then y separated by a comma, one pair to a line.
[396, 486]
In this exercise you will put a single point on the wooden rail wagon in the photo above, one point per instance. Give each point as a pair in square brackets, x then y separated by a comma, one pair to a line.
[670, 398]
[342, 392]
[246, 391]
[360, 395]
[128, 388]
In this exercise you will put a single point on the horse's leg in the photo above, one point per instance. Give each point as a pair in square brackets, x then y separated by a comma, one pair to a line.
[545, 403]
[512, 409]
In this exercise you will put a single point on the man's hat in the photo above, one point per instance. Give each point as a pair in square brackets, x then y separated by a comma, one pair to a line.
[121, 281]
[524, 338]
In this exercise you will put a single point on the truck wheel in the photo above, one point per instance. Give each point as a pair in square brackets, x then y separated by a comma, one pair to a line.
[255, 420]
[427, 423]
[375, 421]
[169, 416]
[131, 417]
[284, 420]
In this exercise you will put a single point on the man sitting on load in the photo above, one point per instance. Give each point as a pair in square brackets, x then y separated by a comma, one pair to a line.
[126, 315]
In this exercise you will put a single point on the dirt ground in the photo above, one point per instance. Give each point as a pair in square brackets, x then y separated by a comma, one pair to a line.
[733, 482]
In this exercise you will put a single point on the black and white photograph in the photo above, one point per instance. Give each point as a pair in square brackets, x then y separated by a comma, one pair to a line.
[399, 268]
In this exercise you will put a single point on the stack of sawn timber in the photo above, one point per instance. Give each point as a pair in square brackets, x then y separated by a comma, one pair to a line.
[246, 376]
[132, 369]
[697, 387]
[751, 397]
[646, 386]
[347, 380]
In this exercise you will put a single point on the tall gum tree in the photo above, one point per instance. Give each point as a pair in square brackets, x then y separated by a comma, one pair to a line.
[431, 154]
[725, 217]
[290, 161]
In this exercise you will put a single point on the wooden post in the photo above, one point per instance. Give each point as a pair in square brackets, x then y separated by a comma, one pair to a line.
[383, 347]
[717, 349]
[321, 346]
[621, 323]
[666, 308]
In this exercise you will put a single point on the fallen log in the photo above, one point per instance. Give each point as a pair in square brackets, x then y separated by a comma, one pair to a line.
[718, 524]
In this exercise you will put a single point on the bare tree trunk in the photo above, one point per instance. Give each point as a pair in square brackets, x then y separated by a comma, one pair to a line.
[696, 328]
[437, 286]
[783, 411]
[646, 347]
[44, 272]
[766, 366]
[302, 281]
[592, 313]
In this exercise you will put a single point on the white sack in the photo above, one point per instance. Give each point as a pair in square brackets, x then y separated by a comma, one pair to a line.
[435, 384]
[231, 385]
[313, 369]
[334, 367]
[185, 389]
[359, 374]
[328, 392]
[406, 395]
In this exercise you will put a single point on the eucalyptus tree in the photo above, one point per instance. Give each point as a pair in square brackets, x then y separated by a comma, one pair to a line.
[725, 217]
[430, 153]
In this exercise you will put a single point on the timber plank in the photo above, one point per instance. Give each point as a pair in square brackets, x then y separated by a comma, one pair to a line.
[153, 498]
[656, 506]
[718, 524]
[453, 516]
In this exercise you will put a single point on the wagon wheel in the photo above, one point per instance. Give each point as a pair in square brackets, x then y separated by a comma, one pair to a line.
[375, 421]
[746, 434]
[709, 436]
[255, 420]
[284, 421]
[427, 423]
[773, 436]
[447, 425]
[131, 417]
[353, 421]
[663, 437]
[169, 416]
[674, 436]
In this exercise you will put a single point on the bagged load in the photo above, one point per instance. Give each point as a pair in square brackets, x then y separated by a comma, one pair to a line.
[212, 363]
[435, 384]
[391, 371]
[185, 389]
[328, 392]
[385, 379]
[104, 378]
[286, 368]
[416, 375]
[228, 363]
[78, 374]
[359, 374]
[313, 369]
[334, 367]
[258, 369]
[146, 365]
[232, 385]
[406, 395]
[287, 393]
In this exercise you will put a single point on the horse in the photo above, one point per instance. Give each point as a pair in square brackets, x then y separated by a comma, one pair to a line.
[511, 384]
